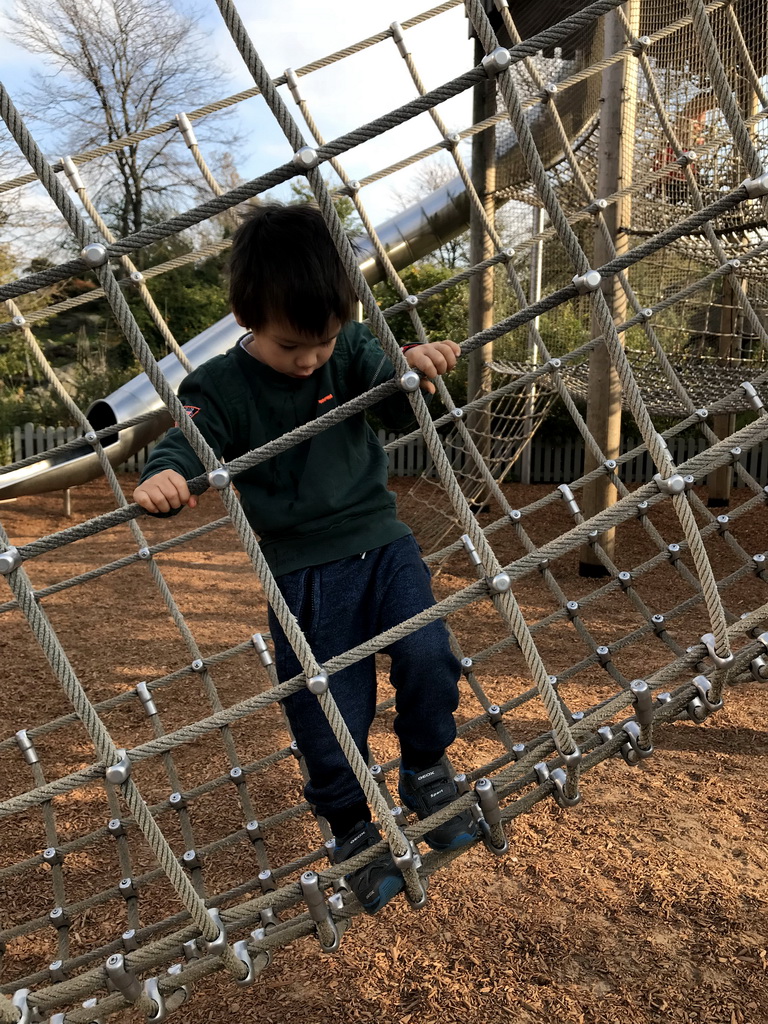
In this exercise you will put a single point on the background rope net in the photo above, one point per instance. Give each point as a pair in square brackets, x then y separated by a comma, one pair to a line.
[205, 805]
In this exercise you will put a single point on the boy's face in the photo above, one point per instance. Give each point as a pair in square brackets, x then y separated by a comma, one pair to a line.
[286, 350]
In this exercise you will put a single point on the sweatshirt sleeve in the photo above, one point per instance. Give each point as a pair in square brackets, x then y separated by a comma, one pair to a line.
[371, 367]
[204, 403]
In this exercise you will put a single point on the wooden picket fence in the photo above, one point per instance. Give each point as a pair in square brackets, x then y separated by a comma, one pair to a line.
[552, 462]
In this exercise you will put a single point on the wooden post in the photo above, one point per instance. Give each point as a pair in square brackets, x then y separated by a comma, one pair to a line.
[481, 247]
[618, 102]
[534, 294]
[720, 482]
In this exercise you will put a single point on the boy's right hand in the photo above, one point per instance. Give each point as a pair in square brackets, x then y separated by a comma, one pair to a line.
[164, 492]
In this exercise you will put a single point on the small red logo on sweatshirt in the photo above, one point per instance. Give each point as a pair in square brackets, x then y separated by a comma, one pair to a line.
[326, 399]
[191, 410]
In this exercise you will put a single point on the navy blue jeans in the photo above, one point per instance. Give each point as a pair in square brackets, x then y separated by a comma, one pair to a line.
[340, 605]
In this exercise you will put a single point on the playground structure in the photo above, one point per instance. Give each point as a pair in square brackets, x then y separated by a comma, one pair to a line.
[646, 237]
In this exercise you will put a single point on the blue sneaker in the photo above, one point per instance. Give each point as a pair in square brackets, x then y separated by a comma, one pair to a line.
[429, 790]
[375, 883]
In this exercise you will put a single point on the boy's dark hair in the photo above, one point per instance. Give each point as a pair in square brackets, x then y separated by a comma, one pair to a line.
[284, 267]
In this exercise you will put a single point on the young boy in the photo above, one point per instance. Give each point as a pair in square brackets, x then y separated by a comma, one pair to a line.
[328, 527]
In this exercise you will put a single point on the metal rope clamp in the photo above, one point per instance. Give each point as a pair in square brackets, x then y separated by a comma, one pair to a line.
[26, 1014]
[633, 751]
[215, 947]
[674, 484]
[253, 965]
[702, 706]
[411, 861]
[719, 662]
[490, 822]
[759, 665]
[260, 646]
[496, 61]
[10, 559]
[558, 779]
[320, 912]
[122, 979]
[119, 773]
[154, 995]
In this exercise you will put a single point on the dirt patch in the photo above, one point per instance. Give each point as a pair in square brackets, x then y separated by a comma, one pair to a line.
[646, 903]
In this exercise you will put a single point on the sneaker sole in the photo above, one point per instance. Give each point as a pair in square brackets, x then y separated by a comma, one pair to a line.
[462, 839]
[388, 889]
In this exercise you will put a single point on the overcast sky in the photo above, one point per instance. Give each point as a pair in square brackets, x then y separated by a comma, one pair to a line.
[292, 33]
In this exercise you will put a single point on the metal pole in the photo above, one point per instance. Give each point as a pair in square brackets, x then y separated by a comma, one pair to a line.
[534, 294]
[480, 248]
[618, 102]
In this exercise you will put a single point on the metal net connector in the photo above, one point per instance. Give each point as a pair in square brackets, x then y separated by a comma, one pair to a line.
[633, 750]
[759, 665]
[466, 666]
[567, 493]
[27, 1015]
[318, 684]
[142, 692]
[186, 129]
[471, 550]
[409, 864]
[500, 583]
[260, 646]
[215, 947]
[490, 822]
[119, 773]
[686, 158]
[735, 454]
[72, 173]
[640, 45]
[94, 255]
[757, 187]
[399, 38]
[410, 381]
[18, 320]
[587, 282]
[219, 478]
[753, 398]
[706, 703]
[27, 747]
[457, 413]
[597, 206]
[52, 856]
[558, 779]
[553, 364]
[319, 911]
[253, 966]
[122, 979]
[603, 654]
[305, 158]
[496, 61]
[625, 579]
[10, 559]
[292, 81]
[659, 623]
[719, 661]
[674, 484]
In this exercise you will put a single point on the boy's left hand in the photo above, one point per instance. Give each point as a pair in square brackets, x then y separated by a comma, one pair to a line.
[432, 360]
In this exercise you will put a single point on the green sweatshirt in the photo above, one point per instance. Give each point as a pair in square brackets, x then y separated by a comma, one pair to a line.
[323, 499]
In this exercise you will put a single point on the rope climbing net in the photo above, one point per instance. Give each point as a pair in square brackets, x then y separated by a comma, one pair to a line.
[199, 807]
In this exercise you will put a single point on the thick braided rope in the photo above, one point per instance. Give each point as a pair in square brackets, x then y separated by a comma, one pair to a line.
[610, 335]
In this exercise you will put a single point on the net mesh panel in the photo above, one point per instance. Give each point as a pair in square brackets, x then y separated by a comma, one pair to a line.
[108, 882]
